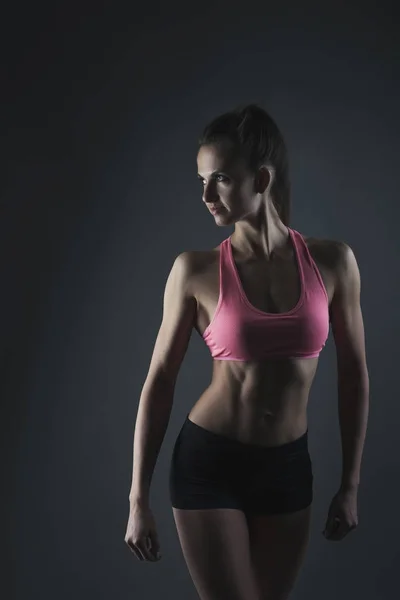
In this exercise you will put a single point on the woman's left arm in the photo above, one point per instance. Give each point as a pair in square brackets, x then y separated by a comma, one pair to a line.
[352, 372]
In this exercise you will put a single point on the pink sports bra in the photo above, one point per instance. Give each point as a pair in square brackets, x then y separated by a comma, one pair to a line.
[240, 331]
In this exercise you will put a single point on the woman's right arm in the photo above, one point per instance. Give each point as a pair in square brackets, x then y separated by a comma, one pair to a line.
[155, 405]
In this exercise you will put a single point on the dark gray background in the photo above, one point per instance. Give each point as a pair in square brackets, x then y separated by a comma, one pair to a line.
[102, 104]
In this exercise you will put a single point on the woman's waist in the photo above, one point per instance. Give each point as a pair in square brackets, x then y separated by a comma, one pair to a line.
[267, 420]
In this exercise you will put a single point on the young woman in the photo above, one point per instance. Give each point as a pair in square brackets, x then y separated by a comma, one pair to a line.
[241, 480]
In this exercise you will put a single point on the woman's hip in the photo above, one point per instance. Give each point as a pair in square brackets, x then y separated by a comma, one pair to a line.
[202, 455]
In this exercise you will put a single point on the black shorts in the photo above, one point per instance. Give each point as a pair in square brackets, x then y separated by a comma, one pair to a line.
[209, 470]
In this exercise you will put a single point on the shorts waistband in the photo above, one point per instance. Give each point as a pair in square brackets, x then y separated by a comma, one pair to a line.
[293, 447]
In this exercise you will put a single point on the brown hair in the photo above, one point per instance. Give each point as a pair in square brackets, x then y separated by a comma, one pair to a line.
[257, 138]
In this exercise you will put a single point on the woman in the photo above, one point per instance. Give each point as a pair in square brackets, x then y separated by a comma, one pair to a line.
[241, 481]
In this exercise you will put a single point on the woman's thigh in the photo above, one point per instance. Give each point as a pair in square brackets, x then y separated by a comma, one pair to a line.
[278, 545]
[277, 503]
[215, 545]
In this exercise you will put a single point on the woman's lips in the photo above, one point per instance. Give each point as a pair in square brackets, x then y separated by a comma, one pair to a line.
[215, 211]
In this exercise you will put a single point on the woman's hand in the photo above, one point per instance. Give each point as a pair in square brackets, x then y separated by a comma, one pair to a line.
[141, 533]
[342, 515]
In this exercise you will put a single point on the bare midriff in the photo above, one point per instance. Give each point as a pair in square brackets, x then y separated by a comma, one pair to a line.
[263, 402]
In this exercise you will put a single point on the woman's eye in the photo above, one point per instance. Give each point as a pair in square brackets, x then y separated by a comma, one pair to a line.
[220, 177]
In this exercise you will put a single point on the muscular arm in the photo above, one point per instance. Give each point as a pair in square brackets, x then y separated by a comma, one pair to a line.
[353, 378]
[156, 399]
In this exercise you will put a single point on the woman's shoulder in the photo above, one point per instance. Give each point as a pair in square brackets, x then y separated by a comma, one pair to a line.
[199, 262]
[325, 250]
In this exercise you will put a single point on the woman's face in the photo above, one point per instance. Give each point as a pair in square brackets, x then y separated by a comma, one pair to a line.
[227, 185]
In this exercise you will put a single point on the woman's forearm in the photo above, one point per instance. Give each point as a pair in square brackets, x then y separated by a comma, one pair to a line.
[152, 420]
[353, 405]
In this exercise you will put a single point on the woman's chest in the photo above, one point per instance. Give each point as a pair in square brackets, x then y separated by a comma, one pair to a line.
[270, 286]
